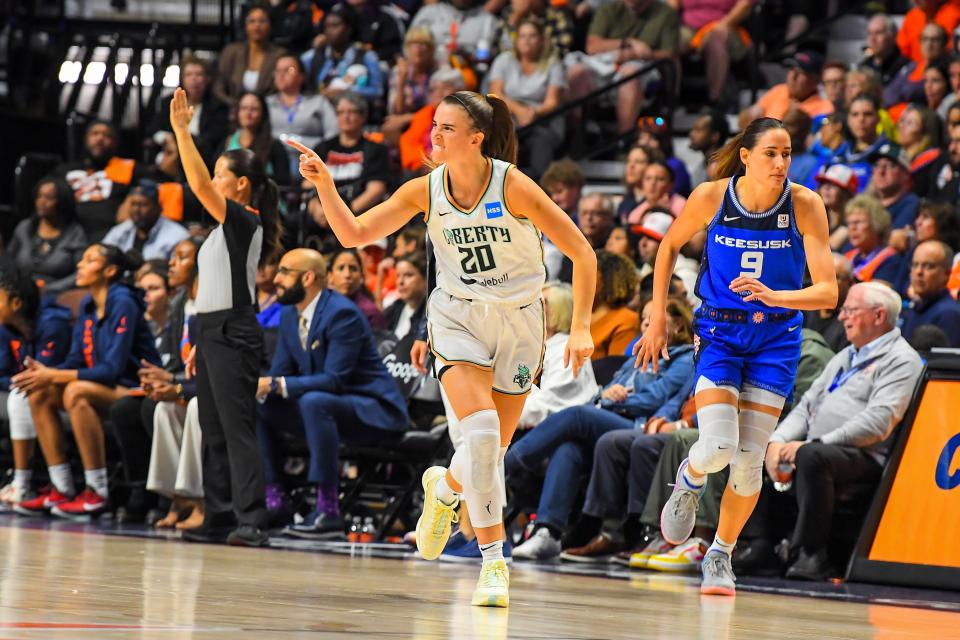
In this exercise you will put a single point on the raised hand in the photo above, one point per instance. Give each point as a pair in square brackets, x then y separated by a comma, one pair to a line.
[181, 113]
[312, 167]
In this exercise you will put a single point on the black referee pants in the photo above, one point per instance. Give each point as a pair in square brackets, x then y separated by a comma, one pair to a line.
[229, 348]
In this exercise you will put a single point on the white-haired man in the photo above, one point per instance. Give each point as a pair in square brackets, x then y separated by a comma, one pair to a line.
[839, 433]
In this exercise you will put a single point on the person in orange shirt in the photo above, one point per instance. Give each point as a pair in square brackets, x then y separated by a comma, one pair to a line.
[945, 13]
[613, 325]
[803, 80]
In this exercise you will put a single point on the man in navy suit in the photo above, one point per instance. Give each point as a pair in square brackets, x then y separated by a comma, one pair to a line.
[326, 381]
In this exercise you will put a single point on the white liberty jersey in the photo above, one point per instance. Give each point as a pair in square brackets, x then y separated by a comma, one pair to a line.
[488, 254]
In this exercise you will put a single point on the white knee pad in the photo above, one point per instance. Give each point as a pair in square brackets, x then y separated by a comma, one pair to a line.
[21, 420]
[718, 432]
[480, 467]
[746, 468]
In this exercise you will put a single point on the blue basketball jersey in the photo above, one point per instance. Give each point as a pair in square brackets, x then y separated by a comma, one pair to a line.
[766, 246]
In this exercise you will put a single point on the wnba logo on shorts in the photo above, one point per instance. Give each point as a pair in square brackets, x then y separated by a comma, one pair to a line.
[946, 480]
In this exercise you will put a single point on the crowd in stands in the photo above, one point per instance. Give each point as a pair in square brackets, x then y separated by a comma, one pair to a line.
[110, 249]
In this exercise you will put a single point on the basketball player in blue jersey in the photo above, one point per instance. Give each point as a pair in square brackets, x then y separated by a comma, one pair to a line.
[485, 318]
[761, 231]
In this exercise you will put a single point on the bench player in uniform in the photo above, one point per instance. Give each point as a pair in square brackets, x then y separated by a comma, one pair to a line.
[485, 318]
[761, 231]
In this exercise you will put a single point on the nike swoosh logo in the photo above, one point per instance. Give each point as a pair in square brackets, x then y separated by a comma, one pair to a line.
[92, 507]
[793, 328]
[726, 219]
[467, 280]
[722, 448]
[445, 213]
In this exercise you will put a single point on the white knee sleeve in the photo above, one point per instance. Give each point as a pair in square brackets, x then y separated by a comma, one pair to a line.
[480, 467]
[21, 420]
[718, 432]
[746, 468]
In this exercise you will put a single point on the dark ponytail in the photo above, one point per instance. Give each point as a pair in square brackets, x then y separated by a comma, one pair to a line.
[491, 116]
[728, 157]
[126, 262]
[264, 197]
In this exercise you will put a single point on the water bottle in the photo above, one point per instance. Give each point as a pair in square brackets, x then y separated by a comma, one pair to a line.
[353, 535]
[368, 533]
[784, 479]
[528, 530]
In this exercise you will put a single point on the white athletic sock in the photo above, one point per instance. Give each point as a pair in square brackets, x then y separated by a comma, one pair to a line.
[692, 483]
[96, 479]
[492, 551]
[61, 478]
[22, 478]
[720, 545]
[445, 494]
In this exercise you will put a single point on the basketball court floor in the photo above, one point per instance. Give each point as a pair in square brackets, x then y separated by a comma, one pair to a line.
[96, 581]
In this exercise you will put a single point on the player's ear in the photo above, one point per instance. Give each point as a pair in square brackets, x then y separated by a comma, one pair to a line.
[744, 154]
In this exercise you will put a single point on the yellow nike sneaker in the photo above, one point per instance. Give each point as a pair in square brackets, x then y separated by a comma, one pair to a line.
[433, 527]
[493, 586]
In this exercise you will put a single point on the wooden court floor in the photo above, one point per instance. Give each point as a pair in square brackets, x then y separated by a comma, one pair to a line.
[57, 584]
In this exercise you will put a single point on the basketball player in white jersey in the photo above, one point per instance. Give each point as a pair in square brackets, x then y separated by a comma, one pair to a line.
[485, 318]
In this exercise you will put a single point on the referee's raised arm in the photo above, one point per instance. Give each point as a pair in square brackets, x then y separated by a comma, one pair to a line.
[181, 113]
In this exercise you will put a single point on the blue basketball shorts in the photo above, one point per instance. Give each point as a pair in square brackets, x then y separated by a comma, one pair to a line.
[764, 355]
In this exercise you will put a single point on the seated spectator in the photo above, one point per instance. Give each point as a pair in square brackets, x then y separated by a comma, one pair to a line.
[409, 86]
[708, 133]
[653, 226]
[558, 20]
[930, 301]
[380, 28]
[326, 381]
[211, 115]
[920, 137]
[169, 462]
[254, 132]
[883, 55]
[268, 308]
[829, 142]
[308, 119]
[110, 339]
[563, 181]
[247, 67]
[953, 87]
[862, 125]
[803, 79]
[408, 311]
[595, 218]
[48, 245]
[826, 322]
[29, 329]
[341, 63]
[410, 239]
[612, 325]
[567, 438]
[803, 163]
[346, 278]
[657, 192]
[151, 278]
[638, 159]
[715, 30]
[357, 165]
[99, 180]
[907, 87]
[836, 185]
[839, 432]
[868, 225]
[621, 242]
[177, 200]
[415, 142]
[936, 86]
[624, 36]
[891, 185]
[947, 188]
[943, 13]
[655, 133]
[459, 25]
[530, 79]
[152, 235]
[557, 389]
[834, 81]
[927, 337]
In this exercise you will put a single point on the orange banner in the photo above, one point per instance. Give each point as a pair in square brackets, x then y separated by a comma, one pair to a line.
[920, 523]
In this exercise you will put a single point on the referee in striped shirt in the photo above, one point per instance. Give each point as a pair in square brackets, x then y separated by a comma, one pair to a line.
[226, 359]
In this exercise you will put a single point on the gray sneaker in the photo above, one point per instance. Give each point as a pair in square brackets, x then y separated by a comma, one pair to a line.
[540, 546]
[679, 515]
[718, 578]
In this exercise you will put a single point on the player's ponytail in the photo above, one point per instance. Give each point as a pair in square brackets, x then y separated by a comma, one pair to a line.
[491, 117]
[727, 158]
